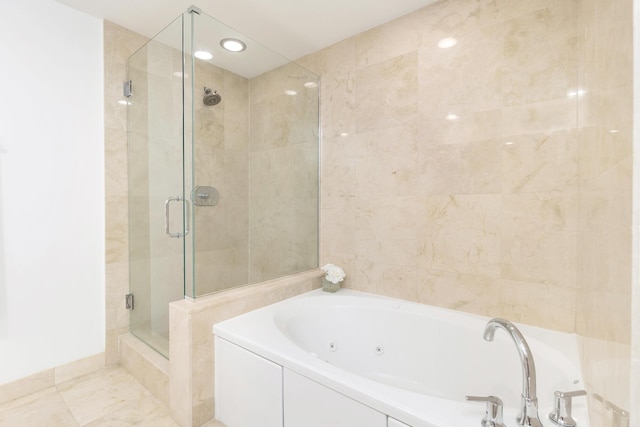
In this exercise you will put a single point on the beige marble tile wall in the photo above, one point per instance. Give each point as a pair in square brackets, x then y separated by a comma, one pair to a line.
[605, 203]
[221, 160]
[119, 44]
[492, 177]
[449, 176]
[283, 179]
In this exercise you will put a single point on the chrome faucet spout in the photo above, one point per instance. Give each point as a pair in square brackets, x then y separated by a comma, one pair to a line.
[528, 416]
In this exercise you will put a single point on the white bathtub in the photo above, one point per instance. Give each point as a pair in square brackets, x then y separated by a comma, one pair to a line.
[412, 362]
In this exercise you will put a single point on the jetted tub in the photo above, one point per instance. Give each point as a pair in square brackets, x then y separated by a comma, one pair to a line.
[411, 362]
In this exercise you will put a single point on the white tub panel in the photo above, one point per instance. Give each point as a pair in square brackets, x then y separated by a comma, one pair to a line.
[248, 390]
[309, 404]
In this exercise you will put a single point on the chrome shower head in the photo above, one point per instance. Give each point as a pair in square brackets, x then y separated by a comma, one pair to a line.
[211, 97]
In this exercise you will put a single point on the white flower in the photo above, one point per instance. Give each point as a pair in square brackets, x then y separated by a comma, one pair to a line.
[334, 274]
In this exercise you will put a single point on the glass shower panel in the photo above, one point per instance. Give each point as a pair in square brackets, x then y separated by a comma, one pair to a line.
[255, 162]
[283, 180]
[156, 196]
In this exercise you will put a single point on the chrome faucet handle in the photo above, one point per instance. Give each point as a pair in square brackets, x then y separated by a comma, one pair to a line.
[561, 415]
[493, 411]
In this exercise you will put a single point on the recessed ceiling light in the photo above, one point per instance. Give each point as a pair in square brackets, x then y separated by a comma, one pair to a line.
[290, 92]
[447, 43]
[233, 45]
[310, 85]
[203, 54]
[452, 117]
[613, 131]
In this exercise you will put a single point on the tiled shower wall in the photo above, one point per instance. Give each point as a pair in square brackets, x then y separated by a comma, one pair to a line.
[493, 177]
[221, 160]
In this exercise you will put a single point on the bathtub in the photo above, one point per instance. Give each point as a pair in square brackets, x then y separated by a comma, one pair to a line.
[411, 362]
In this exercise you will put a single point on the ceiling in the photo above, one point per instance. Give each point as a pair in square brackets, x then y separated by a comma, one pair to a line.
[292, 28]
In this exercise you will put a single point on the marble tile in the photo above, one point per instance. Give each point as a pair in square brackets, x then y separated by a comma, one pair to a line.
[463, 128]
[116, 313]
[338, 167]
[387, 229]
[144, 412]
[462, 234]
[338, 103]
[464, 292]
[93, 396]
[396, 281]
[39, 409]
[116, 183]
[117, 238]
[466, 168]
[387, 166]
[540, 162]
[538, 304]
[465, 78]
[609, 40]
[541, 250]
[540, 56]
[338, 218]
[540, 117]
[387, 93]
[25, 386]
[451, 18]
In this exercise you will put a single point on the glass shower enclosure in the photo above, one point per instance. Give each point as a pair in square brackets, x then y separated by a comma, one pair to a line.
[223, 168]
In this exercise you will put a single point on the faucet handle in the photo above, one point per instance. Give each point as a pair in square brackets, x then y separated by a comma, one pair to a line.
[493, 411]
[561, 415]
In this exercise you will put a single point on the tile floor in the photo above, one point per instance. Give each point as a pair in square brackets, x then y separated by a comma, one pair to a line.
[110, 397]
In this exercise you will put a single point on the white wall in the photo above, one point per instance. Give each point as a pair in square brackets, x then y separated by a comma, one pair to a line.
[51, 187]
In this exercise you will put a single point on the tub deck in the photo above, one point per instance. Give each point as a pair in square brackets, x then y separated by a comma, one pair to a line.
[410, 361]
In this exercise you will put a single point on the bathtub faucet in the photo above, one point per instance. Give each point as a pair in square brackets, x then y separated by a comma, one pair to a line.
[528, 416]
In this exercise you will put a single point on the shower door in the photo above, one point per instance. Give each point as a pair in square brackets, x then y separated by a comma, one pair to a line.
[158, 211]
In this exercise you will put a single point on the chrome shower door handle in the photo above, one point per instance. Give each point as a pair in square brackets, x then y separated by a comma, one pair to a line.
[167, 216]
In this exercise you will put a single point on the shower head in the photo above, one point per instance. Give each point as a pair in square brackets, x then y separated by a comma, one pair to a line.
[211, 97]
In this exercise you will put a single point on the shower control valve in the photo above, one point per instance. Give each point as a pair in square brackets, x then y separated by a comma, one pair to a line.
[561, 415]
[493, 411]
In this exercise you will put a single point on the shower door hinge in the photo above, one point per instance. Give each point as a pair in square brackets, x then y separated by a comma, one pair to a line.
[194, 9]
[129, 301]
[127, 88]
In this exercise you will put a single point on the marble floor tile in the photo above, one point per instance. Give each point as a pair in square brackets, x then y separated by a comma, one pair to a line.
[110, 397]
[147, 412]
[44, 408]
[104, 392]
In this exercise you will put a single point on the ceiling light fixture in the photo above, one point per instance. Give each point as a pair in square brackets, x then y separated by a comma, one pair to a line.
[233, 45]
[203, 54]
[311, 85]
